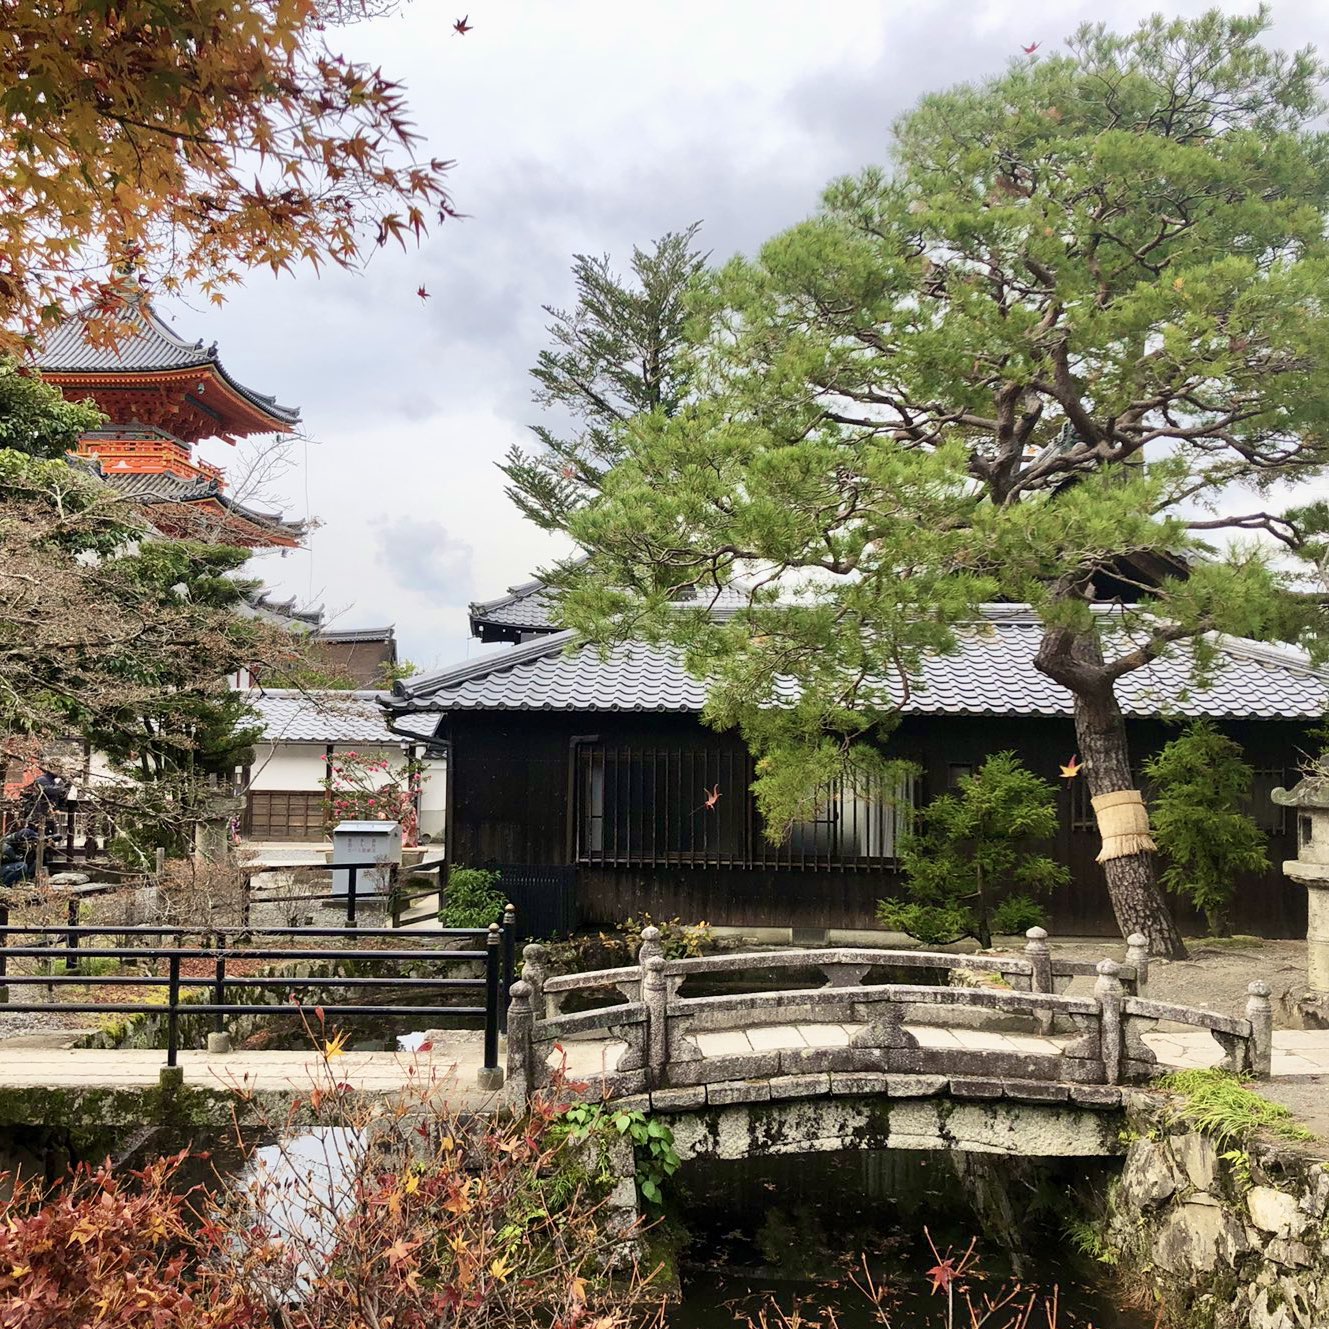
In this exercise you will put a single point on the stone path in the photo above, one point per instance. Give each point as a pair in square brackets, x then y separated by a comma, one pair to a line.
[1297, 1052]
[449, 1069]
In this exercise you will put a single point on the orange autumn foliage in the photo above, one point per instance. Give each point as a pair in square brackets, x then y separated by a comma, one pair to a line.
[116, 1253]
[157, 146]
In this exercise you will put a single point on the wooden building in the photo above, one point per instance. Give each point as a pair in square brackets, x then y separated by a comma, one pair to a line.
[163, 394]
[598, 772]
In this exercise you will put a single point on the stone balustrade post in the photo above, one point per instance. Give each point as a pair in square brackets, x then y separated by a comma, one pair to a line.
[521, 1077]
[650, 948]
[655, 995]
[1039, 954]
[534, 971]
[1137, 954]
[1110, 994]
[1260, 1012]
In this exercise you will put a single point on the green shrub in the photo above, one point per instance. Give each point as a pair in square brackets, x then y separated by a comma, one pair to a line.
[1217, 1104]
[1201, 787]
[973, 865]
[470, 899]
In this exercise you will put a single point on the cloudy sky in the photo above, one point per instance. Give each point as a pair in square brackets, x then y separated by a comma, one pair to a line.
[576, 127]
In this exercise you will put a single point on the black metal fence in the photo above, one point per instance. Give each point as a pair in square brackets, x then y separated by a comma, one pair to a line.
[160, 947]
[545, 897]
[395, 896]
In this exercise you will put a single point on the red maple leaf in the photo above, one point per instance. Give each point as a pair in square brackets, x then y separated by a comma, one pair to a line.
[461, 27]
[943, 1274]
[1029, 50]
[422, 293]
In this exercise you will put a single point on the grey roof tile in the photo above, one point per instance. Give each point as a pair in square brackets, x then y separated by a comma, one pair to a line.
[144, 342]
[291, 716]
[991, 673]
[532, 607]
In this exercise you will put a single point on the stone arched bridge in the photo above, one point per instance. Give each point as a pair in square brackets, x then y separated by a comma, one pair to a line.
[856, 1062]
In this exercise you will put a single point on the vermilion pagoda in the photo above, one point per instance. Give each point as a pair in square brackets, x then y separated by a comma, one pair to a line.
[162, 395]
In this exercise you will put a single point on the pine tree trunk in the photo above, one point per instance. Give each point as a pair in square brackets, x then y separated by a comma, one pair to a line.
[1075, 660]
[1133, 889]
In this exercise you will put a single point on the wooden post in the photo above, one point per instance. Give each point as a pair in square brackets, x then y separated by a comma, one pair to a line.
[1108, 992]
[1260, 1012]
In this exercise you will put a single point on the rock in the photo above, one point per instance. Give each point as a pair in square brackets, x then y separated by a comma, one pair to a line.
[1275, 1211]
[1197, 1238]
[1315, 1200]
[1149, 1178]
[1294, 1253]
[70, 879]
[1263, 1316]
[1198, 1159]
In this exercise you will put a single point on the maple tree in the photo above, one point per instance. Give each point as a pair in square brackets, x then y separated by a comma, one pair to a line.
[165, 146]
[1071, 349]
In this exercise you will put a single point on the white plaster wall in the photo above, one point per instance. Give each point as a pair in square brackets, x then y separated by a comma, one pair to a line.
[433, 801]
[288, 767]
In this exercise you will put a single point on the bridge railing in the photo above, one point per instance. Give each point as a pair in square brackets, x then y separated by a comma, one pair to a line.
[669, 1041]
[193, 980]
[1037, 970]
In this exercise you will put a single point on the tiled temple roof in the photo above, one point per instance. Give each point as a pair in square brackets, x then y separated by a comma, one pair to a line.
[991, 673]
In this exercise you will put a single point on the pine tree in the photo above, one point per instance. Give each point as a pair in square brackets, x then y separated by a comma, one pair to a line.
[1200, 789]
[617, 354]
[1034, 362]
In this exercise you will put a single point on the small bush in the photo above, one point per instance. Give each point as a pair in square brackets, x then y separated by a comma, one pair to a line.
[470, 899]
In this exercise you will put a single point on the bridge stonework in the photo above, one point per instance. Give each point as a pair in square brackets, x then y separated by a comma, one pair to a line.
[870, 1065]
[832, 1125]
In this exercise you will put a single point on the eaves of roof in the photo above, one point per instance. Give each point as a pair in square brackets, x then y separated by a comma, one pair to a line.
[991, 673]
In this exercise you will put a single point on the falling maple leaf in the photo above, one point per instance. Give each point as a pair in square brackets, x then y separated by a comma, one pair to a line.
[335, 1046]
[943, 1274]
[422, 293]
[1029, 50]
[461, 27]
[1071, 768]
[709, 802]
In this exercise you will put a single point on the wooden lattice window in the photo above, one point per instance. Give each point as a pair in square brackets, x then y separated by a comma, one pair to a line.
[286, 815]
[691, 804]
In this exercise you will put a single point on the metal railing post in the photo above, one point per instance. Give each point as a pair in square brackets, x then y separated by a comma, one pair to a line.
[352, 874]
[4, 959]
[509, 961]
[173, 1010]
[71, 939]
[219, 986]
[491, 1073]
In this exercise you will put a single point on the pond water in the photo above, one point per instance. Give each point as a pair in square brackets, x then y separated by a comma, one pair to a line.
[844, 1241]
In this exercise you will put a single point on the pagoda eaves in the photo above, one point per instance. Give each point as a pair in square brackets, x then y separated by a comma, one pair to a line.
[162, 395]
[148, 375]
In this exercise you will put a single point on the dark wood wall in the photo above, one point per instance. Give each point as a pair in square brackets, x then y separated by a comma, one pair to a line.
[510, 781]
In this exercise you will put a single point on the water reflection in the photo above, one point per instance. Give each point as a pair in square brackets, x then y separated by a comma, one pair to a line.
[294, 1192]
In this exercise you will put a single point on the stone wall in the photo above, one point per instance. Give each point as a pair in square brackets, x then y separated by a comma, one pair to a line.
[1224, 1236]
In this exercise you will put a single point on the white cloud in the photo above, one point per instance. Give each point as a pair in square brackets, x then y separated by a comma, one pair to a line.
[577, 126]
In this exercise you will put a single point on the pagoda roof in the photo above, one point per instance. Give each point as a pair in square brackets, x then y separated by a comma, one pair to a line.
[161, 489]
[143, 344]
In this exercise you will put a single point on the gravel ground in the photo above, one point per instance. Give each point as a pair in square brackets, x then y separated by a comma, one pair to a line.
[1216, 974]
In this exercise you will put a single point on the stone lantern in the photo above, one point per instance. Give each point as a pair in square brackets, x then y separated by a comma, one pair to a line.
[1310, 798]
